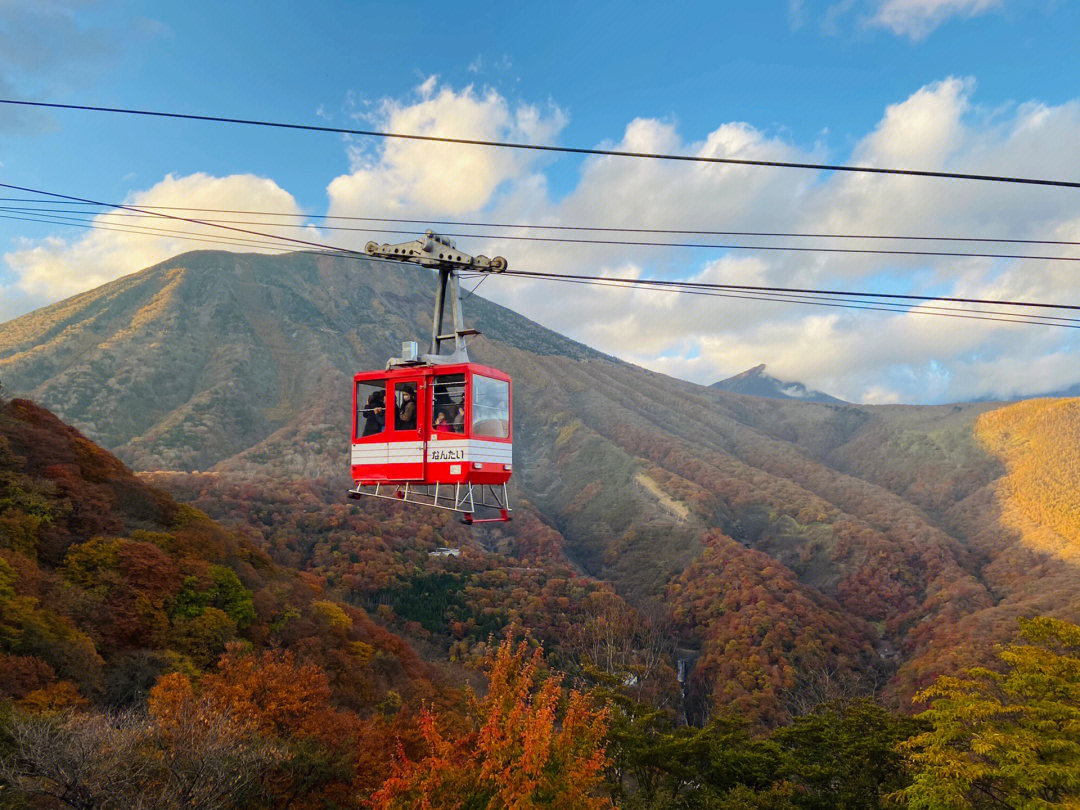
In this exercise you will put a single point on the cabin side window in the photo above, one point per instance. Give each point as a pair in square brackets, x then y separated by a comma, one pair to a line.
[370, 408]
[405, 406]
[448, 403]
[490, 407]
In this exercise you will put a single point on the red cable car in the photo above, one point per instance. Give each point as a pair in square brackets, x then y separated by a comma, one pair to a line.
[435, 430]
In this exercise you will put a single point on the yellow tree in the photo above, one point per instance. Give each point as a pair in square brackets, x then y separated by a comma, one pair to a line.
[1008, 739]
[522, 746]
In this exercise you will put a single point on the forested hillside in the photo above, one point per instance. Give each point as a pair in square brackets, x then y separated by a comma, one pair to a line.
[109, 581]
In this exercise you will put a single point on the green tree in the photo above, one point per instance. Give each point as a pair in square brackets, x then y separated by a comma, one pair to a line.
[226, 593]
[1004, 739]
[844, 756]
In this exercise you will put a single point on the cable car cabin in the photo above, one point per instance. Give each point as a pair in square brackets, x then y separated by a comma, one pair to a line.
[435, 429]
[439, 435]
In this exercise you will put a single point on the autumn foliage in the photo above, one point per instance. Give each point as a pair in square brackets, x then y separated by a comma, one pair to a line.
[1007, 736]
[522, 745]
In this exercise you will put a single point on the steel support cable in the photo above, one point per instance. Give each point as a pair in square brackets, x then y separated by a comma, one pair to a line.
[346, 251]
[776, 297]
[190, 220]
[800, 290]
[210, 239]
[640, 282]
[217, 240]
[894, 306]
[154, 232]
[636, 243]
[573, 150]
[578, 228]
[1020, 318]
[789, 248]
[855, 303]
[1049, 320]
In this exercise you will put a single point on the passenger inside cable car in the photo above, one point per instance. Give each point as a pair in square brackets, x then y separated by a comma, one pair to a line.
[373, 413]
[405, 418]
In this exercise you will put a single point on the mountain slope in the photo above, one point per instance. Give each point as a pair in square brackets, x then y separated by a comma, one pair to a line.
[885, 523]
[107, 583]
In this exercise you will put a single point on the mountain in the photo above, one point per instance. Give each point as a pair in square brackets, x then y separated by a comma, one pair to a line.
[788, 548]
[755, 382]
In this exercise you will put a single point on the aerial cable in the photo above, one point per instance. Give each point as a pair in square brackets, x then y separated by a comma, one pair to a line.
[156, 232]
[855, 303]
[536, 227]
[631, 243]
[289, 239]
[823, 301]
[212, 239]
[878, 306]
[782, 297]
[763, 294]
[753, 288]
[787, 248]
[653, 283]
[550, 148]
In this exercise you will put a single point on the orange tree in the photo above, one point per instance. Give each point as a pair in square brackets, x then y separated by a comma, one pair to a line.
[321, 756]
[522, 745]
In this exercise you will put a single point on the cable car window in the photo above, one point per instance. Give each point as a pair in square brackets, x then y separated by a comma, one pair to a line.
[370, 407]
[448, 403]
[490, 407]
[405, 402]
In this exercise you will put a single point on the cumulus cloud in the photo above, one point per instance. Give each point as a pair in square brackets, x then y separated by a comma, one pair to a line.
[56, 267]
[916, 19]
[428, 179]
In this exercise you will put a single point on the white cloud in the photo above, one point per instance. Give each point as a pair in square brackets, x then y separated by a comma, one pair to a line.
[428, 179]
[55, 267]
[916, 19]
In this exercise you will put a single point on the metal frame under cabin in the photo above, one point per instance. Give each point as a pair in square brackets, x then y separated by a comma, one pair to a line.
[459, 471]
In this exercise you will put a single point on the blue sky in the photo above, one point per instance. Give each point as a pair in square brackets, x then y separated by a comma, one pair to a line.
[970, 85]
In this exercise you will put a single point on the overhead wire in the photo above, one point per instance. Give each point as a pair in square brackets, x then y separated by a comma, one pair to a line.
[878, 306]
[147, 231]
[550, 148]
[675, 283]
[538, 227]
[191, 220]
[766, 295]
[790, 295]
[127, 212]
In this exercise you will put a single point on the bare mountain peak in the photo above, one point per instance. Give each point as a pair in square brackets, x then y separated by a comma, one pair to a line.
[755, 382]
[750, 373]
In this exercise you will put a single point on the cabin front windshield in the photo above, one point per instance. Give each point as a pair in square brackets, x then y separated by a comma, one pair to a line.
[448, 403]
[490, 407]
[370, 407]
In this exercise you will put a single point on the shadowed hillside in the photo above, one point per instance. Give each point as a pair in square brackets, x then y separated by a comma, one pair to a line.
[798, 543]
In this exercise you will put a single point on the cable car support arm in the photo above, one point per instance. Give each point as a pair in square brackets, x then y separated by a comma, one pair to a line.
[440, 253]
